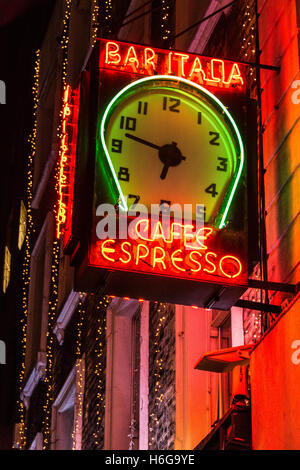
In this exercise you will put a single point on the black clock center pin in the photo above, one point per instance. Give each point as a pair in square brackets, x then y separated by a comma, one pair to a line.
[169, 154]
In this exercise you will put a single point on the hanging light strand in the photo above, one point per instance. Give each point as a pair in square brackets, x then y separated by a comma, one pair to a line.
[21, 440]
[99, 369]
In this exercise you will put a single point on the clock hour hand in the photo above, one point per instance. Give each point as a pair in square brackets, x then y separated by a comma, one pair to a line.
[169, 155]
[142, 141]
[164, 172]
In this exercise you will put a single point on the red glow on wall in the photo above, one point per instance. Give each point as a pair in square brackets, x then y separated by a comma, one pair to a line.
[67, 154]
[142, 60]
[150, 250]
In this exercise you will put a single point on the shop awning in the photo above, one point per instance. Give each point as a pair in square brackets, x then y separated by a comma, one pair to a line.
[224, 360]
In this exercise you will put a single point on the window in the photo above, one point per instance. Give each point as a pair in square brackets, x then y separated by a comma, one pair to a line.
[67, 411]
[37, 443]
[6, 268]
[2, 92]
[22, 225]
[65, 421]
[38, 305]
[122, 396]
[2, 352]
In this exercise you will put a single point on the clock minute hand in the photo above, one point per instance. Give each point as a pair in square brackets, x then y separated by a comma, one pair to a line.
[142, 141]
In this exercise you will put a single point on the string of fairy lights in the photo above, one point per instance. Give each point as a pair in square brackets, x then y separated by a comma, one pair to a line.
[99, 354]
[65, 40]
[94, 22]
[53, 297]
[248, 42]
[80, 375]
[165, 20]
[48, 379]
[21, 438]
[248, 52]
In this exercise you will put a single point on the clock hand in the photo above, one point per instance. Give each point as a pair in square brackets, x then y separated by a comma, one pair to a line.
[142, 141]
[169, 155]
[164, 172]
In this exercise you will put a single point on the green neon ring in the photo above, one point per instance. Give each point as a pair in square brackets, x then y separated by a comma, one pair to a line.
[241, 156]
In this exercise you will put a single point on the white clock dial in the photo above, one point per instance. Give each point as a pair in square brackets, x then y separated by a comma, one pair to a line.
[170, 143]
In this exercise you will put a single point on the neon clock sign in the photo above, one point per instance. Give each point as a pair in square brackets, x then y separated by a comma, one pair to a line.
[165, 135]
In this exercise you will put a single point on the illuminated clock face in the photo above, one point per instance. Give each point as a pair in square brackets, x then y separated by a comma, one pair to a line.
[169, 141]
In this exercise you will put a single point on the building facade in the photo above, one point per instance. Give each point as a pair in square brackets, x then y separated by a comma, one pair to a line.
[98, 372]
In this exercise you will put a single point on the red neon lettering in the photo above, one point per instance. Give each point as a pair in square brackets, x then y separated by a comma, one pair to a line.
[112, 55]
[155, 258]
[66, 111]
[158, 232]
[105, 250]
[140, 222]
[187, 235]
[203, 234]
[67, 94]
[182, 59]
[212, 78]
[175, 259]
[163, 259]
[195, 261]
[197, 68]
[139, 255]
[149, 58]
[62, 178]
[235, 75]
[174, 233]
[210, 271]
[132, 57]
[215, 65]
[170, 62]
[177, 231]
[233, 260]
[212, 72]
[125, 261]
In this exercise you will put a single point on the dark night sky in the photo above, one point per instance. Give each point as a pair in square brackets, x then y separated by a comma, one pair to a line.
[22, 27]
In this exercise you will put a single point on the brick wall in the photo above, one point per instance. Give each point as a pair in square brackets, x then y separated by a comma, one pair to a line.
[94, 348]
[162, 399]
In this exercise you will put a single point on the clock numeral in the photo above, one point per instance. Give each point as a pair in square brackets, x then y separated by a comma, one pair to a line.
[142, 107]
[136, 199]
[116, 145]
[214, 140]
[211, 189]
[171, 107]
[199, 119]
[123, 174]
[201, 211]
[223, 164]
[128, 122]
